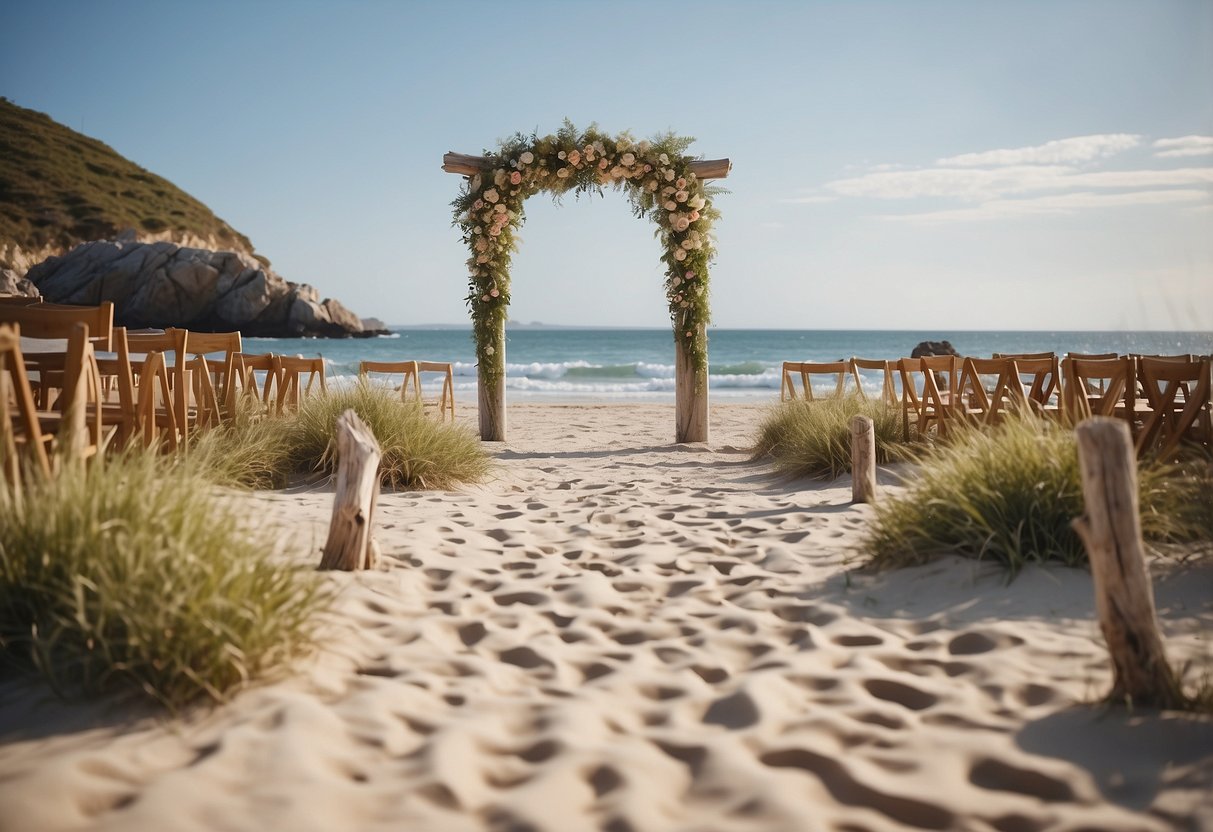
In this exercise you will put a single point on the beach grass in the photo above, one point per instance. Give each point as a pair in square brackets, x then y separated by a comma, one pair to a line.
[813, 439]
[136, 574]
[418, 451]
[1008, 494]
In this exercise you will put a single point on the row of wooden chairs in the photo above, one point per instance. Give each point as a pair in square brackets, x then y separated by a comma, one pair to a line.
[1164, 399]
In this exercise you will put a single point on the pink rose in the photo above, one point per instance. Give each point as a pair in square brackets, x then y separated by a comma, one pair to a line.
[575, 158]
[602, 164]
[495, 293]
[515, 178]
[690, 275]
[694, 215]
[681, 183]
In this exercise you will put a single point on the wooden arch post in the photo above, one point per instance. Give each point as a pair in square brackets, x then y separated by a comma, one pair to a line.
[690, 383]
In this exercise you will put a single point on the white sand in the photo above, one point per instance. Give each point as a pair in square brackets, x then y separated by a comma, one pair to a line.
[624, 634]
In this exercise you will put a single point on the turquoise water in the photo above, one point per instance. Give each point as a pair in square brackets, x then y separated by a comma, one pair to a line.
[624, 364]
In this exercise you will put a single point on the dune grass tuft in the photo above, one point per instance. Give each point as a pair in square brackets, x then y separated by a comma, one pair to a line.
[418, 451]
[1008, 495]
[813, 439]
[135, 573]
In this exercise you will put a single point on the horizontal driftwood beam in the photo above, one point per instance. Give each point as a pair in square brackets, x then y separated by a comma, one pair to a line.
[465, 165]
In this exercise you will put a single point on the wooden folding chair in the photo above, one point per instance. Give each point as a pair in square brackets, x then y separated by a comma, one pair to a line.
[256, 379]
[211, 360]
[19, 300]
[888, 389]
[54, 323]
[1018, 355]
[921, 393]
[446, 402]
[290, 371]
[1099, 387]
[19, 424]
[1179, 407]
[980, 401]
[807, 369]
[75, 422]
[172, 346]
[408, 370]
[1039, 384]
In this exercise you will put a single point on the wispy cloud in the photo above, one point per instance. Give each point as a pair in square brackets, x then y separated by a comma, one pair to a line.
[811, 199]
[1060, 151]
[1184, 146]
[1059, 177]
[1054, 205]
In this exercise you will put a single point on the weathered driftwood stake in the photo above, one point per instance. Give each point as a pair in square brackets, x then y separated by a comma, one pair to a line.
[1124, 598]
[350, 543]
[863, 460]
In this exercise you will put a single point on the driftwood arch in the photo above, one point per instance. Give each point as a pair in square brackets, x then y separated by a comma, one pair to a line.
[660, 181]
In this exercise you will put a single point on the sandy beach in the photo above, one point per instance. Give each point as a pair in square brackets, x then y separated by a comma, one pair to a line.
[621, 634]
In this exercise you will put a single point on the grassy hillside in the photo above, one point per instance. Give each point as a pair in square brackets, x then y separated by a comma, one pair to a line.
[58, 187]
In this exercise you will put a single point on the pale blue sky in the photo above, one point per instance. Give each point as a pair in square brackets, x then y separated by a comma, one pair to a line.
[867, 190]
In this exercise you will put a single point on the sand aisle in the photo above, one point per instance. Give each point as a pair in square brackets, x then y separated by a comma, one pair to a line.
[623, 634]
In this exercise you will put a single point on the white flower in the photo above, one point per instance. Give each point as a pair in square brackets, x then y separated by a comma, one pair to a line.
[696, 202]
[681, 196]
[669, 175]
[489, 350]
[499, 208]
[561, 155]
[643, 145]
[499, 177]
[677, 281]
[665, 160]
[679, 254]
[491, 195]
[671, 206]
[685, 304]
[681, 224]
[482, 258]
[667, 191]
[628, 159]
[562, 173]
[476, 183]
[653, 185]
[688, 244]
[527, 157]
[477, 230]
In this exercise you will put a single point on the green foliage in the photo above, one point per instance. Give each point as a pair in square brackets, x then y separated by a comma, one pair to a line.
[418, 451]
[1008, 495]
[657, 178]
[813, 439]
[58, 187]
[135, 574]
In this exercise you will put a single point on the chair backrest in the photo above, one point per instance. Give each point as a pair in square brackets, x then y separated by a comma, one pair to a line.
[290, 371]
[408, 370]
[1099, 387]
[1171, 420]
[888, 389]
[1023, 355]
[44, 320]
[19, 300]
[839, 370]
[1093, 356]
[17, 410]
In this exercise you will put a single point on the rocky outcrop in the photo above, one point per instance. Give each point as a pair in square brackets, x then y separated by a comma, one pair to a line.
[164, 284]
[12, 284]
[934, 348]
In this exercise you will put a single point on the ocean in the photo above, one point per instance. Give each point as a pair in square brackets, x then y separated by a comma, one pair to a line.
[638, 364]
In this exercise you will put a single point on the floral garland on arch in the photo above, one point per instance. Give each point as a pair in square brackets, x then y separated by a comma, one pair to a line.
[659, 183]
